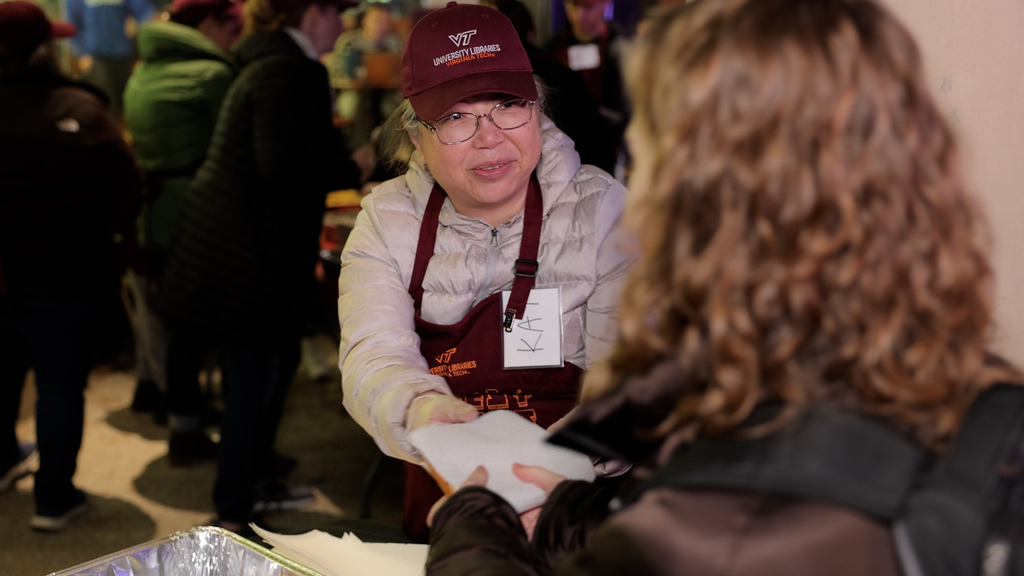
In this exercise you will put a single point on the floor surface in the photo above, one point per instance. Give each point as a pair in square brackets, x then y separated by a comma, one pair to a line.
[138, 497]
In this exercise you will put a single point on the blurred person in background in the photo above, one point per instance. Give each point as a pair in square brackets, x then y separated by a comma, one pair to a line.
[570, 103]
[593, 47]
[242, 256]
[104, 51]
[802, 373]
[68, 189]
[360, 103]
[494, 199]
[172, 102]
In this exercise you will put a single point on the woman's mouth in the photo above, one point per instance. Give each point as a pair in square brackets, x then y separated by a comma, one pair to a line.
[492, 170]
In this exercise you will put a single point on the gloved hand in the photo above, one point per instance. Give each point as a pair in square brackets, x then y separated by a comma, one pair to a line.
[434, 408]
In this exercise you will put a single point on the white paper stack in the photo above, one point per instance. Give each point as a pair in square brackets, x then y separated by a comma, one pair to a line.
[497, 440]
[348, 555]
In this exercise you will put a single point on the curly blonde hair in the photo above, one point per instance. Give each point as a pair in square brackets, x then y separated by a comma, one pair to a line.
[804, 231]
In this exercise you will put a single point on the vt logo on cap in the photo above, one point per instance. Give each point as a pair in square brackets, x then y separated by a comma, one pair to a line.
[435, 75]
[462, 38]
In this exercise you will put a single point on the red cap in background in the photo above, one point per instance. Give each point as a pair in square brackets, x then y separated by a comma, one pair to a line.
[25, 25]
[286, 5]
[192, 12]
[460, 51]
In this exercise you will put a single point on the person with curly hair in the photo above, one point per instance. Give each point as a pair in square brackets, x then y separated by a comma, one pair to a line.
[803, 353]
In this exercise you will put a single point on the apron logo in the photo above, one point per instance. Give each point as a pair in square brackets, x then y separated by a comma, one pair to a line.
[447, 370]
[445, 356]
[492, 399]
[462, 38]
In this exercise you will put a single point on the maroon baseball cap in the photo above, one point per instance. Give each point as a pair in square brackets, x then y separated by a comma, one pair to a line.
[286, 5]
[460, 51]
[192, 12]
[25, 25]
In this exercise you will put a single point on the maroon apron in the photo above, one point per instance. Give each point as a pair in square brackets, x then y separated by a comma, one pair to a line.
[468, 354]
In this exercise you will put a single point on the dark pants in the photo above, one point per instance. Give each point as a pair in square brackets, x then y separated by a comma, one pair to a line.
[111, 76]
[186, 357]
[257, 379]
[57, 339]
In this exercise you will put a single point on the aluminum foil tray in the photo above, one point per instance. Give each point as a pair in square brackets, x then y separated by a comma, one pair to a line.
[202, 551]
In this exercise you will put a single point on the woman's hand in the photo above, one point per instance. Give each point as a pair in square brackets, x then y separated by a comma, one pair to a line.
[434, 408]
[477, 477]
[543, 478]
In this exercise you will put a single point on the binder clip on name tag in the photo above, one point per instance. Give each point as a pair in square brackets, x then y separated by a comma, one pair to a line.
[536, 339]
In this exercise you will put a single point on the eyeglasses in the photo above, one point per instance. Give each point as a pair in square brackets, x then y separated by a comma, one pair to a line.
[458, 127]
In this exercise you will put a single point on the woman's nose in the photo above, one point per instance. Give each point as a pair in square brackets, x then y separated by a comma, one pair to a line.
[488, 134]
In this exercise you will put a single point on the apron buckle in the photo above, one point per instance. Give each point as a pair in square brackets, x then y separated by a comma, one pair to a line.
[526, 268]
[509, 316]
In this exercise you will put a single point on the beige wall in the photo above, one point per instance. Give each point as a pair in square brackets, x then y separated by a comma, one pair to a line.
[974, 57]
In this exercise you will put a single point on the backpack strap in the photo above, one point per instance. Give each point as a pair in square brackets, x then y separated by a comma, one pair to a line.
[950, 516]
[1003, 553]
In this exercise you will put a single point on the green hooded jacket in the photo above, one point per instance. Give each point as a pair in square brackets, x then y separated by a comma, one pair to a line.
[171, 105]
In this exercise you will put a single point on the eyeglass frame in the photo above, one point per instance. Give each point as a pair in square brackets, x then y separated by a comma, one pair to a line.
[433, 128]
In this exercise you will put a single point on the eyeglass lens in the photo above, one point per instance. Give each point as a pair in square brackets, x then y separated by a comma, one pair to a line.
[461, 126]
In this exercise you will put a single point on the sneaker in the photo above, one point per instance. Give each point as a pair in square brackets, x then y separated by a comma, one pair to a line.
[272, 496]
[60, 523]
[192, 447]
[23, 467]
[281, 465]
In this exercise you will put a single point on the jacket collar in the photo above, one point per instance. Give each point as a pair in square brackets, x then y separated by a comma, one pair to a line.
[827, 454]
[304, 42]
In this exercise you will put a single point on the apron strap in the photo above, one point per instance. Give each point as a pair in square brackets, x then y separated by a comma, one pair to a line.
[526, 266]
[425, 247]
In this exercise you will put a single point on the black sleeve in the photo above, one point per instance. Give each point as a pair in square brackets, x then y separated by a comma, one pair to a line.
[477, 532]
[573, 512]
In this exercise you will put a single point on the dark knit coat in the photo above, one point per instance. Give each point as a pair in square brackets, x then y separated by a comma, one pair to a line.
[244, 251]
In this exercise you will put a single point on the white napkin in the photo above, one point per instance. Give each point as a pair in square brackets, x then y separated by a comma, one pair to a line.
[348, 555]
[497, 440]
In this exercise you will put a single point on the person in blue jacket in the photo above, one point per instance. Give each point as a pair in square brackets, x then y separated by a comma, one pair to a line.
[103, 49]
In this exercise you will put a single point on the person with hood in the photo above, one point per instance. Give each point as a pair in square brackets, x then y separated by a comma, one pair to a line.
[172, 102]
[243, 253]
[68, 191]
[494, 200]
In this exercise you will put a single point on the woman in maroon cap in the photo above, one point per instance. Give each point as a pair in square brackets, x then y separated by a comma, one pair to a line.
[494, 203]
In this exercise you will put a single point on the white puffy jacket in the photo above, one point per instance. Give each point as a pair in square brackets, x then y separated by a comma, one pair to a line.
[581, 252]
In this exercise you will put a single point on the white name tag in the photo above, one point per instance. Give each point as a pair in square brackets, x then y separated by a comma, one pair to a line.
[536, 339]
[584, 56]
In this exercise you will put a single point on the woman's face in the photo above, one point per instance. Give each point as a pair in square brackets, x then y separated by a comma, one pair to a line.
[488, 175]
[323, 26]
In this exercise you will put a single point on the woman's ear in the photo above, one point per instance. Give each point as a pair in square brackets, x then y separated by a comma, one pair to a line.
[414, 137]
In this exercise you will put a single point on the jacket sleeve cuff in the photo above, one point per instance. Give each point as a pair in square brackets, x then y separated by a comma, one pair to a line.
[476, 531]
[572, 513]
